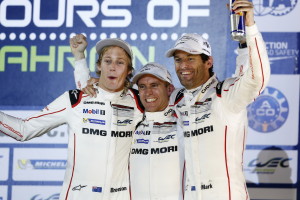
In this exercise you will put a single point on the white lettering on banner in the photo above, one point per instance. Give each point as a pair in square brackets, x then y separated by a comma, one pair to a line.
[85, 15]
[116, 13]
[117, 17]
[186, 12]
[281, 49]
[163, 23]
[15, 22]
[49, 23]
[265, 110]
[277, 45]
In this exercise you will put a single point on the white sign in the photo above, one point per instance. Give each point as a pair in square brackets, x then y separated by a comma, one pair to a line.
[272, 194]
[35, 192]
[4, 160]
[282, 13]
[3, 192]
[39, 164]
[274, 116]
[271, 166]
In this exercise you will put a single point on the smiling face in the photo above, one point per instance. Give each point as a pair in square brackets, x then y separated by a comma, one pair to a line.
[114, 69]
[154, 93]
[191, 70]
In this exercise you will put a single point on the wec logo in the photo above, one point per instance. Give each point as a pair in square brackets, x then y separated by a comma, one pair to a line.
[272, 163]
[201, 119]
[268, 167]
[166, 139]
[40, 197]
[124, 122]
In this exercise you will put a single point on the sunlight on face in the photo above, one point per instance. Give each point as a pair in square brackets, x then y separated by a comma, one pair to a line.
[154, 93]
[190, 69]
[114, 69]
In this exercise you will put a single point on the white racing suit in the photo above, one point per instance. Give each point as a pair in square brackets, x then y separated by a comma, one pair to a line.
[157, 158]
[100, 135]
[214, 120]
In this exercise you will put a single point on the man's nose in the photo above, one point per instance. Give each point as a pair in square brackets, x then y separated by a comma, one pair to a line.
[148, 91]
[183, 64]
[112, 66]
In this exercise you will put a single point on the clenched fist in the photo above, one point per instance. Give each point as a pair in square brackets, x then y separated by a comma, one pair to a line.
[78, 45]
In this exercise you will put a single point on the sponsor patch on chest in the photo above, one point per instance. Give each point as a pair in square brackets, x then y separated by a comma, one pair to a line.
[199, 131]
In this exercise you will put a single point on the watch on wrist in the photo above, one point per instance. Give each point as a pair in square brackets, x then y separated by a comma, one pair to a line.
[243, 45]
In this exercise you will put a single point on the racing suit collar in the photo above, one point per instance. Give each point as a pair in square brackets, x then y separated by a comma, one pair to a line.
[190, 94]
[108, 95]
[160, 115]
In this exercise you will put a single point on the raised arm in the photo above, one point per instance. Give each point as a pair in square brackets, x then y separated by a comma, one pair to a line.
[242, 59]
[78, 45]
[238, 92]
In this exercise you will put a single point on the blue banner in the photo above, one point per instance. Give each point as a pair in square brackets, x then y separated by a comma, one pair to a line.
[36, 66]
[35, 53]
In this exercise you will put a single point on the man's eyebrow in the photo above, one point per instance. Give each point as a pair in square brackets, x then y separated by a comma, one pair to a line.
[187, 55]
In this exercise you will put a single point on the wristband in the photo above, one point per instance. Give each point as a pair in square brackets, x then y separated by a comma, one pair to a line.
[243, 45]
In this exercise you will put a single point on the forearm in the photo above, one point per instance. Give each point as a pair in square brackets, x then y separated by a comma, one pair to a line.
[244, 89]
[26, 129]
[81, 73]
[242, 61]
[258, 73]
[11, 126]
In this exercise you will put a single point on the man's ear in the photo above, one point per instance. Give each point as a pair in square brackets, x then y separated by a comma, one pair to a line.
[130, 72]
[209, 62]
[170, 89]
[99, 67]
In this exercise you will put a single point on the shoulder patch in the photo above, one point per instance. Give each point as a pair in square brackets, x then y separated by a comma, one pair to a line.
[137, 99]
[179, 96]
[75, 97]
[143, 119]
[219, 89]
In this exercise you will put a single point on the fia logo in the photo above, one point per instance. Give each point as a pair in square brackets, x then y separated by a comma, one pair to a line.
[269, 111]
[273, 7]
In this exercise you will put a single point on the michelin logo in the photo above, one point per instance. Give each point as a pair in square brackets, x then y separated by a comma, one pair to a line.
[93, 121]
[269, 111]
[42, 164]
[273, 7]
